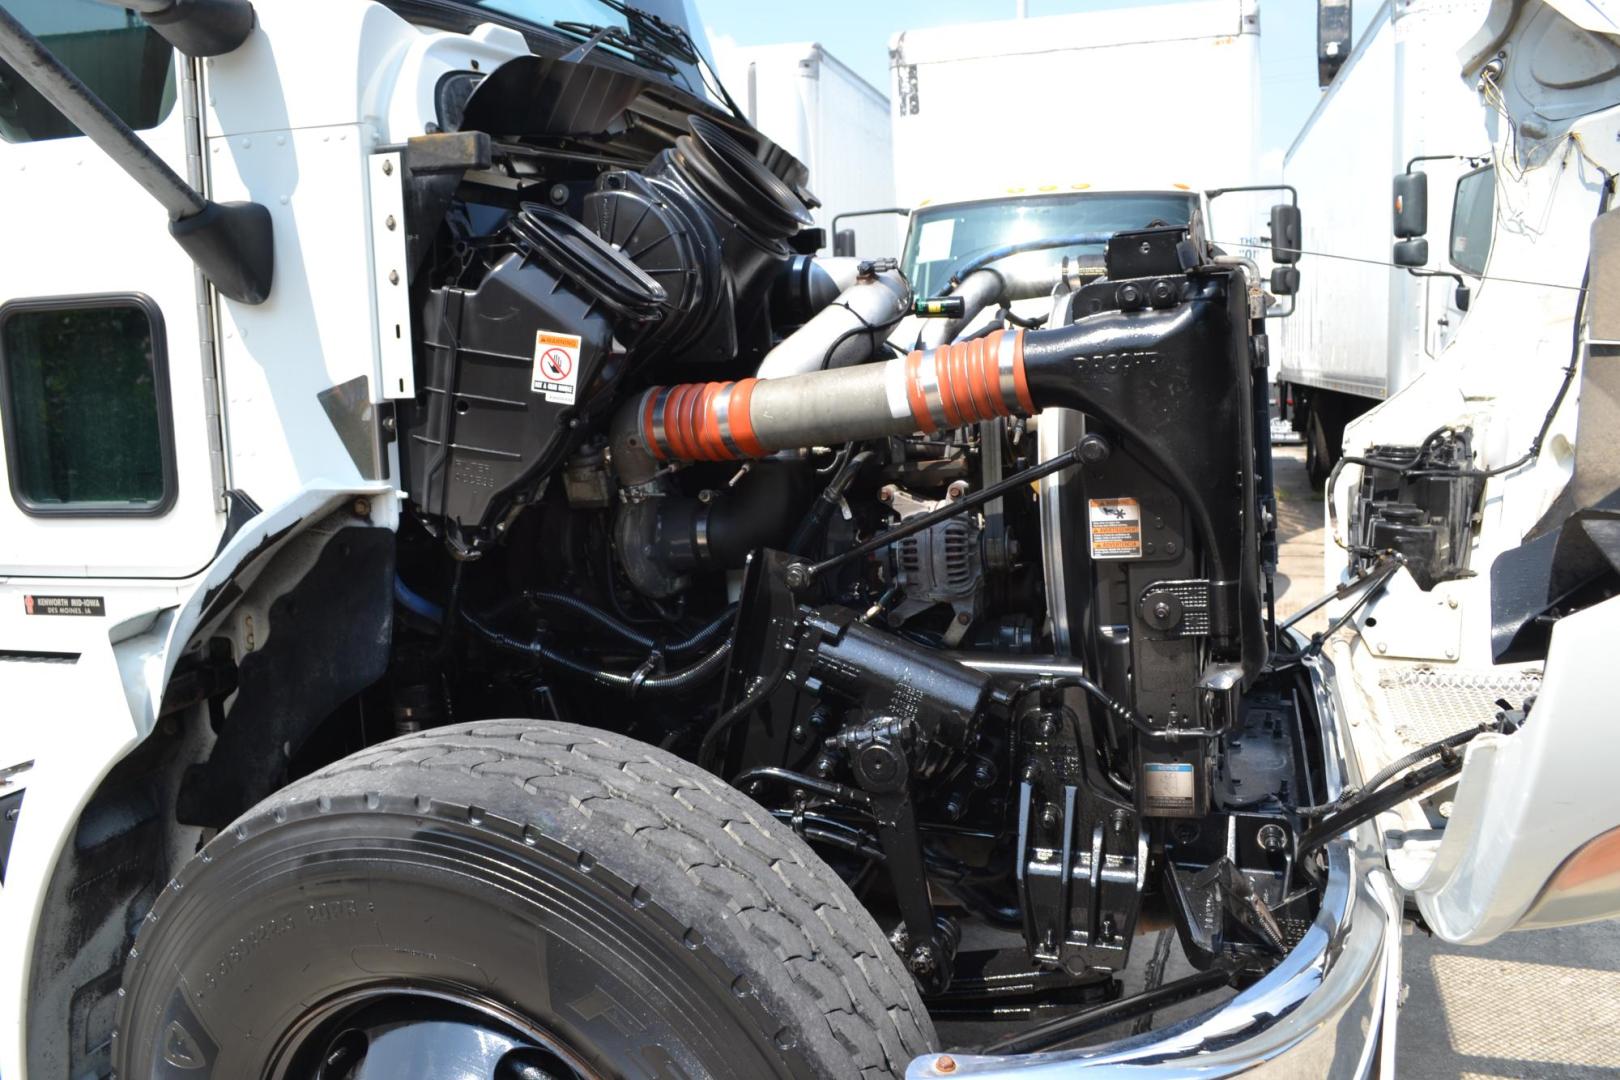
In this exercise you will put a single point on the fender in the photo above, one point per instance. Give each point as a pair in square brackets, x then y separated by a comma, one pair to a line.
[80, 699]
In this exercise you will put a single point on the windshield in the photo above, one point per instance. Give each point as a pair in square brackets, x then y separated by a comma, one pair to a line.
[677, 50]
[943, 236]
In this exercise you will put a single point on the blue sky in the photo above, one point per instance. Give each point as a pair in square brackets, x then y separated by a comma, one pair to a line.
[858, 32]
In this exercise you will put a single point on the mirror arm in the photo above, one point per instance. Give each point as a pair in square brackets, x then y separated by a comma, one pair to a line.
[1471, 159]
[1293, 196]
[1418, 271]
[903, 211]
[231, 243]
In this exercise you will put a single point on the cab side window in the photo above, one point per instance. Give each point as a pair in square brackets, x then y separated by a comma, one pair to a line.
[123, 61]
[85, 396]
[1473, 212]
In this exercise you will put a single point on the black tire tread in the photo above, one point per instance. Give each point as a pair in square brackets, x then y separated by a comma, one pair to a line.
[791, 913]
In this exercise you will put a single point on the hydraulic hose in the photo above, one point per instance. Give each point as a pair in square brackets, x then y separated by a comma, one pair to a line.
[631, 634]
[420, 605]
[821, 511]
[641, 681]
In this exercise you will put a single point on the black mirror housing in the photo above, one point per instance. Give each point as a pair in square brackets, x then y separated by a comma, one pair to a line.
[1462, 297]
[844, 242]
[1285, 234]
[1284, 281]
[1414, 252]
[1411, 205]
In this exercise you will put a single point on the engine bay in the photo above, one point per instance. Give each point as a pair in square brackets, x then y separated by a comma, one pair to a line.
[979, 607]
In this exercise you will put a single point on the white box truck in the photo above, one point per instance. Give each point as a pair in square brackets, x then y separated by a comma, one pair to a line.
[1364, 328]
[819, 110]
[1133, 151]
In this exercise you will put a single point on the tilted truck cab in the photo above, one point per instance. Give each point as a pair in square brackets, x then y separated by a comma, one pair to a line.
[559, 627]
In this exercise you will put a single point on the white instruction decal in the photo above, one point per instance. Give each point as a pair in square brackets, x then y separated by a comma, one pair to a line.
[934, 240]
[556, 366]
[1116, 528]
[1168, 785]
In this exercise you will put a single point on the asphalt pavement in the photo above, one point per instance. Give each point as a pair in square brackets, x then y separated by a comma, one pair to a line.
[1543, 1003]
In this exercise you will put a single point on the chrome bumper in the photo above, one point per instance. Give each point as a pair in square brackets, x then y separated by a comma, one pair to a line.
[1327, 1010]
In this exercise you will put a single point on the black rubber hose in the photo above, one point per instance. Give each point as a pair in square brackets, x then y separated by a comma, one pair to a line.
[631, 634]
[632, 682]
[1114, 708]
[837, 792]
[755, 515]
[739, 712]
[596, 615]
[1399, 765]
[821, 511]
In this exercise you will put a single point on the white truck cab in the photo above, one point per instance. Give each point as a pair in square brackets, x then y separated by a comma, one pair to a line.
[1509, 609]
[475, 590]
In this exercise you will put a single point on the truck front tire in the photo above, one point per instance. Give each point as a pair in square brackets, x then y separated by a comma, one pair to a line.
[553, 898]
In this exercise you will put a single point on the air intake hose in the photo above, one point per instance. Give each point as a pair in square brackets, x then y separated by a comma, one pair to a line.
[929, 390]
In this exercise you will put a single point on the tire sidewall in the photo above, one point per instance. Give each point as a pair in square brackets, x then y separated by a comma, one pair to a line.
[350, 890]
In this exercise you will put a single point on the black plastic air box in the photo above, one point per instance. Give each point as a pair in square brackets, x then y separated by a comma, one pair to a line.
[506, 365]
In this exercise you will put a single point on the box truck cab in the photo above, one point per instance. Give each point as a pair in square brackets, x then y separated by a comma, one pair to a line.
[1368, 320]
[1143, 156]
[942, 234]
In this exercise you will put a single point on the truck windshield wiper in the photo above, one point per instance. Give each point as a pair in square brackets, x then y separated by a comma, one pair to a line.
[615, 37]
[674, 43]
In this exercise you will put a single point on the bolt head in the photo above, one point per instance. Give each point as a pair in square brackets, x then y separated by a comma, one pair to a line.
[1094, 449]
[945, 1064]
[388, 168]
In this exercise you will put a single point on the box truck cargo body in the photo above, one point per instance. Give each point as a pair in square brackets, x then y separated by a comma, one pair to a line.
[1363, 328]
[1139, 147]
[816, 107]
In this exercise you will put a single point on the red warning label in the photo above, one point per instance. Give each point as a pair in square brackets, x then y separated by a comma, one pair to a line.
[1116, 528]
[556, 366]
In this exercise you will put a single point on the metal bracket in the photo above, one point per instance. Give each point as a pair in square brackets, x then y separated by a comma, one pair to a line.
[391, 304]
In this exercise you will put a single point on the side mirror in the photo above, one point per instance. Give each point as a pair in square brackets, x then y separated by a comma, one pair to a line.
[1462, 297]
[1285, 234]
[1413, 252]
[1411, 205]
[844, 242]
[1284, 281]
[1332, 39]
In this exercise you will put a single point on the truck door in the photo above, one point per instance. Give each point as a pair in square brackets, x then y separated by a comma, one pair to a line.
[106, 387]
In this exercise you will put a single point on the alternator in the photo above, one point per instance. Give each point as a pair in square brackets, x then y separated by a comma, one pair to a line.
[940, 565]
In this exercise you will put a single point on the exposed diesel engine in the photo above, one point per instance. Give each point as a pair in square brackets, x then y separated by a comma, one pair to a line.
[979, 608]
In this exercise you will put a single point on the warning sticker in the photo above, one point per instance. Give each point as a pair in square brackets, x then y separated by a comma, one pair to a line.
[1116, 528]
[1168, 785]
[63, 605]
[556, 366]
